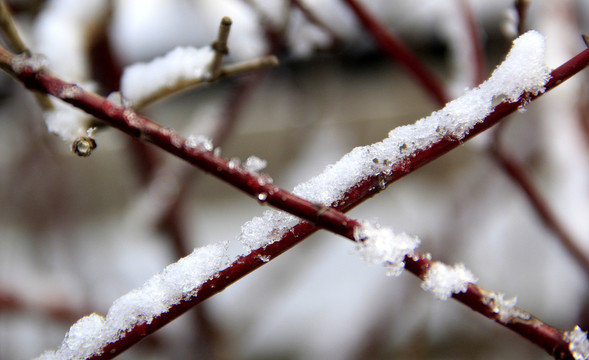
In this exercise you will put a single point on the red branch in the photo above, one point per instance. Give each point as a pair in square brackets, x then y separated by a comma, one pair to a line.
[58, 309]
[329, 218]
[396, 50]
[314, 19]
[516, 172]
[478, 58]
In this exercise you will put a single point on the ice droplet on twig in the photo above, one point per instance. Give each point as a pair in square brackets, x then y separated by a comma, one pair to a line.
[83, 146]
[264, 179]
[505, 308]
[262, 197]
[234, 163]
[264, 258]
[199, 142]
[254, 164]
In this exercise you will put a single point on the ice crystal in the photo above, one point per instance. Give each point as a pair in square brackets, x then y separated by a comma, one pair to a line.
[578, 343]
[443, 280]
[380, 245]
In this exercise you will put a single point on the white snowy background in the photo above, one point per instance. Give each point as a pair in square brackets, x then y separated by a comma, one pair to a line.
[77, 233]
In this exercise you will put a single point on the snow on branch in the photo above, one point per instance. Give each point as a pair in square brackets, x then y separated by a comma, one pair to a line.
[63, 35]
[89, 335]
[143, 81]
[504, 308]
[443, 280]
[380, 245]
[359, 174]
[578, 343]
[523, 71]
[182, 68]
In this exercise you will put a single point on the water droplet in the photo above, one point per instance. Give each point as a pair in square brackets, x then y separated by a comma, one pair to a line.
[83, 146]
[233, 163]
[523, 103]
[262, 196]
[382, 183]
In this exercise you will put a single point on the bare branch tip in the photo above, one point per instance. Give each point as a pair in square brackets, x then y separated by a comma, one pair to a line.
[220, 47]
[83, 146]
[585, 39]
[272, 60]
[226, 21]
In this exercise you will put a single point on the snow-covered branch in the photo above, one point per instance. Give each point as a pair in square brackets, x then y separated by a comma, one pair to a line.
[360, 174]
[405, 149]
[183, 68]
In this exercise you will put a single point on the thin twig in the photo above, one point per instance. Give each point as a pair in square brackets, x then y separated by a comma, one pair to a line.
[583, 106]
[330, 218]
[60, 310]
[220, 47]
[310, 15]
[476, 42]
[9, 29]
[230, 70]
[15, 41]
[396, 50]
[585, 38]
[6, 61]
[518, 175]
[243, 67]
